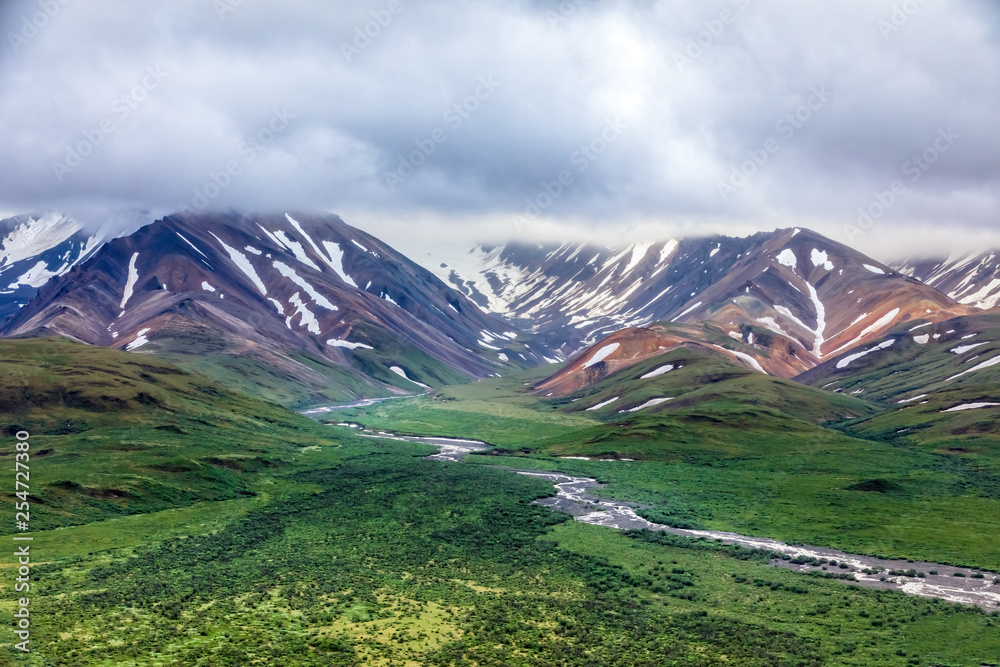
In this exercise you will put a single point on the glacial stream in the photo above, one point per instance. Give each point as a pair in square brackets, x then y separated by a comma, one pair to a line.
[575, 496]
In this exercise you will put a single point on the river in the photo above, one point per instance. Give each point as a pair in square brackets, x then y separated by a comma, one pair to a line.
[576, 497]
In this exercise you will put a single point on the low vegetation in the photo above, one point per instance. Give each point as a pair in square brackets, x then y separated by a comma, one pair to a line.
[332, 549]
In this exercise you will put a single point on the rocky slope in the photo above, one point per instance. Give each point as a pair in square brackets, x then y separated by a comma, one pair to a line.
[300, 307]
[824, 296]
[35, 248]
[972, 279]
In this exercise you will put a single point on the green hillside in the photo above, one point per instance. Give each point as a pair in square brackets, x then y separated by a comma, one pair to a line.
[216, 529]
[116, 433]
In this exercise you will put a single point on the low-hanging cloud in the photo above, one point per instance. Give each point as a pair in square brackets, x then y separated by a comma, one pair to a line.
[383, 110]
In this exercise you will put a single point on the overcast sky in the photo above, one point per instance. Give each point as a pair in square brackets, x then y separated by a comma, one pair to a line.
[449, 119]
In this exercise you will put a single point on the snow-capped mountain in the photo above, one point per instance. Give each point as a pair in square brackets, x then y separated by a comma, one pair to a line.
[972, 279]
[35, 248]
[291, 299]
[822, 295]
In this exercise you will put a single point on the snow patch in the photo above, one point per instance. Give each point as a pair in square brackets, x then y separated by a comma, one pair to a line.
[297, 249]
[401, 373]
[604, 404]
[37, 275]
[602, 354]
[820, 320]
[133, 277]
[337, 262]
[317, 298]
[745, 357]
[140, 340]
[689, 310]
[986, 364]
[308, 319]
[787, 258]
[639, 251]
[333, 342]
[848, 360]
[822, 258]
[649, 404]
[962, 349]
[972, 406]
[185, 239]
[875, 269]
[662, 370]
[910, 400]
[922, 339]
[241, 261]
[205, 286]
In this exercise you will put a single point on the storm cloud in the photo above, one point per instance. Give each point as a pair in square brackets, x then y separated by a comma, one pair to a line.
[874, 121]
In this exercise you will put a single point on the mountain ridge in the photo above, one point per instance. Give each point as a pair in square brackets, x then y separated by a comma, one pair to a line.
[302, 294]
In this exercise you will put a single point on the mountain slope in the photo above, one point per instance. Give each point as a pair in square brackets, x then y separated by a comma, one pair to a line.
[297, 307]
[972, 279]
[915, 360]
[939, 385]
[754, 348]
[115, 433]
[796, 283]
[35, 248]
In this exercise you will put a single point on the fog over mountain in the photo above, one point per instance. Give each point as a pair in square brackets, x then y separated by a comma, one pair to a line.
[524, 119]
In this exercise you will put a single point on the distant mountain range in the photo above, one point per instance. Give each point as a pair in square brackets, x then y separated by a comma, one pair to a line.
[303, 308]
[36, 248]
[296, 307]
[817, 297]
[972, 279]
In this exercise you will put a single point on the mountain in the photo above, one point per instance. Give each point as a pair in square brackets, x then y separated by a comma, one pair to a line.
[919, 362]
[35, 248]
[972, 279]
[939, 384]
[822, 295]
[755, 348]
[691, 403]
[297, 308]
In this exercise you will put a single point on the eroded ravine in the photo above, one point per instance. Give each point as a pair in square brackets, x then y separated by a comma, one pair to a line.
[575, 496]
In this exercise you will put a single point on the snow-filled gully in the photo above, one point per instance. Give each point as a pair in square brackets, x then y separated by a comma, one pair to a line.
[575, 497]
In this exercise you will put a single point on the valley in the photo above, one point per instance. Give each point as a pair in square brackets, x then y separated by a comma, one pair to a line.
[743, 490]
[576, 496]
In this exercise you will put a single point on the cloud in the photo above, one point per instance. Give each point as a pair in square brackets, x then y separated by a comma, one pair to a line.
[385, 112]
